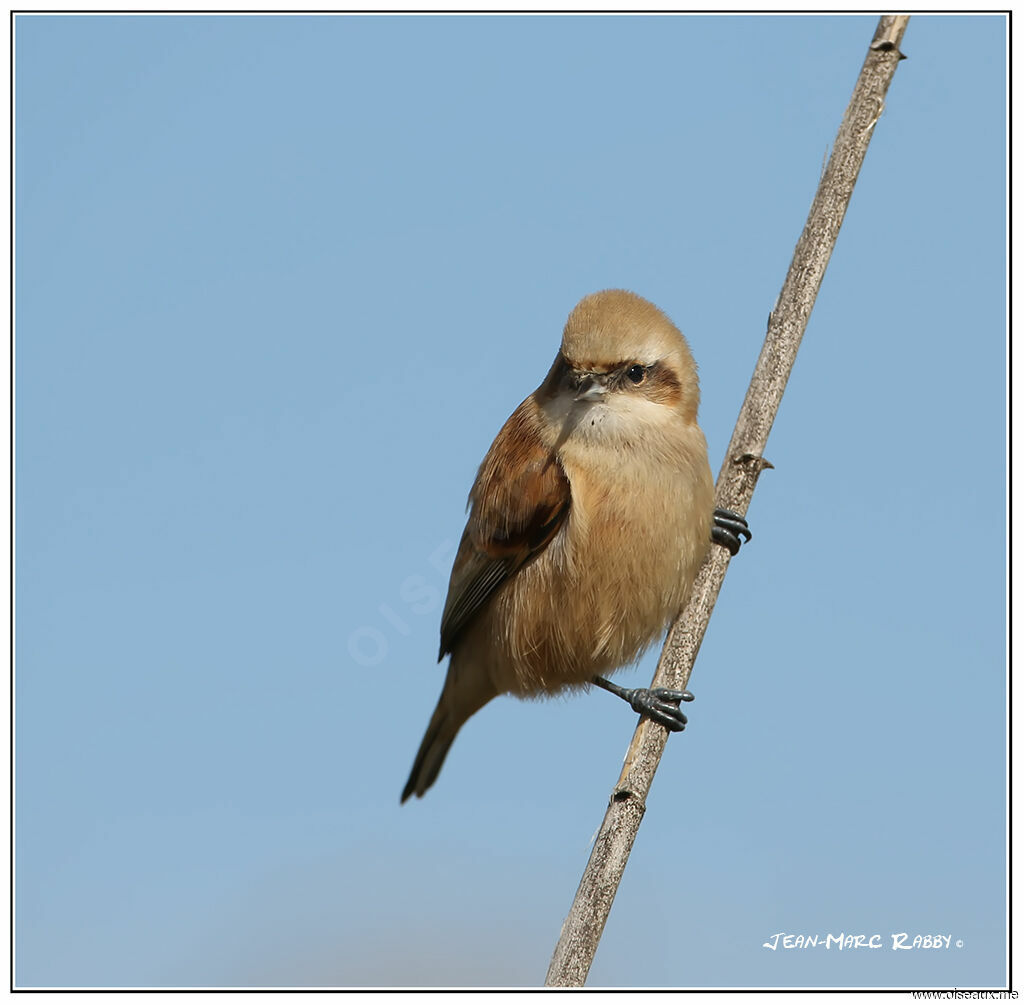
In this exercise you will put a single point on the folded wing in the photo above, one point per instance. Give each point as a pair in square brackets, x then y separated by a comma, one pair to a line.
[519, 501]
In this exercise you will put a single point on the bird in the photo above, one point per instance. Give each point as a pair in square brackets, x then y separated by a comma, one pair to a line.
[588, 520]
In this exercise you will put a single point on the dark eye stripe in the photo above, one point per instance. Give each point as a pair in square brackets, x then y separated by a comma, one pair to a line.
[658, 382]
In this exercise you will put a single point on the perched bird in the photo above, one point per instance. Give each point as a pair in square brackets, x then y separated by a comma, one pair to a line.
[590, 516]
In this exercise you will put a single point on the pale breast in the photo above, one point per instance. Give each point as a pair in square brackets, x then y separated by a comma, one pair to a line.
[613, 577]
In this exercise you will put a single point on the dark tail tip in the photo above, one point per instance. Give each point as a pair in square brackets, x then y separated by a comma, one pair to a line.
[431, 755]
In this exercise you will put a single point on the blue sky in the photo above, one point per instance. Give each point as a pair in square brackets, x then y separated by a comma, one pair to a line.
[279, 282]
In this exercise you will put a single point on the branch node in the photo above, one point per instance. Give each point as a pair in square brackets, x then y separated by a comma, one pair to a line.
[754, 461]
[886, 45]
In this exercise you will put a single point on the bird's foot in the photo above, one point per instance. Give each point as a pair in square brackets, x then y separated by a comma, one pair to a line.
[660, 704]
[728, 529]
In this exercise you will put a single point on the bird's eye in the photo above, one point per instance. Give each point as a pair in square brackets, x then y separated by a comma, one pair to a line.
[636, 373]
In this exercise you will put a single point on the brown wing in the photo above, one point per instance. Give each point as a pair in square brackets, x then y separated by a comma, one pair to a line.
[519, 500]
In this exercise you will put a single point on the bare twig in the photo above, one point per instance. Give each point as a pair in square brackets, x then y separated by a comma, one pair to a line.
[736, 480]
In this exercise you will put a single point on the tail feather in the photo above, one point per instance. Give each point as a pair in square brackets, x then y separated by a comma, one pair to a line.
[439, 737]
[466, 691]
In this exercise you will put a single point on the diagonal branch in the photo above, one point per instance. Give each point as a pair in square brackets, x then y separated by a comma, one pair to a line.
[743, 463]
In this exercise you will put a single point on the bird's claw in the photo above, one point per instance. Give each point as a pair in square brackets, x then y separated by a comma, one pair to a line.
[729, 529]
[660, 704]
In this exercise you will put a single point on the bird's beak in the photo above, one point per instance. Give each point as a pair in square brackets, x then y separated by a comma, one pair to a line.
[591, 387]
